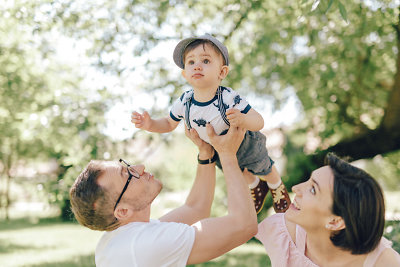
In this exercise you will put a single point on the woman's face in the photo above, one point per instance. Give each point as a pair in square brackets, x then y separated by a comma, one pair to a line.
[312, 205]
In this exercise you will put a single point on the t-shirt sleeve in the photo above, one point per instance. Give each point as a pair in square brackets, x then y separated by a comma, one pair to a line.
[234, 100]
[165, 244]
[177, 109]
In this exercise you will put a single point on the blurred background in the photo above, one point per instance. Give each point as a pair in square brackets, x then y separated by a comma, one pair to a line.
[324, 74]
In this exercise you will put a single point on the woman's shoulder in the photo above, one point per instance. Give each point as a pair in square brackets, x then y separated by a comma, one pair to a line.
[279, 239]
[388, 257]
[276, 227]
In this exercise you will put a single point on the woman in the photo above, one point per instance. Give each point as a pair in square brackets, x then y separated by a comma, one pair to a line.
[336, 219]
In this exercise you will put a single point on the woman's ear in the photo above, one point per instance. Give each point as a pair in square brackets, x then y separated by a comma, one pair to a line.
[223, 72]
[335, 224]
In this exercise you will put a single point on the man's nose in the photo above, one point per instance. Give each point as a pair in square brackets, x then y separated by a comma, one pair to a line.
[139, 168]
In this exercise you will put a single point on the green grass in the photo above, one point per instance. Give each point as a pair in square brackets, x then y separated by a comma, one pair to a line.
[47, 243]
[51, 243]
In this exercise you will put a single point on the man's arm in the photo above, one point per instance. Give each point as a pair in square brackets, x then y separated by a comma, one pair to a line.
[199, 201]
[252, 120]
[216, 236]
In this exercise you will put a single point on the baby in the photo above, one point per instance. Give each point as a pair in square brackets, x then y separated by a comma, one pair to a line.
[204, 62]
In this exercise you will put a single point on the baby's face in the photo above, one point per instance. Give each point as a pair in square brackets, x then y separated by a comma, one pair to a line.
[208, 50]
[203, 67]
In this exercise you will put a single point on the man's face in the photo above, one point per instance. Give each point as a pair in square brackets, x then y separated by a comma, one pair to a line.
[203, 66]
[140, 192]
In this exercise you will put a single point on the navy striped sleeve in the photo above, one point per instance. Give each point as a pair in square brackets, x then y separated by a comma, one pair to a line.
[246, 109]
[173, 117]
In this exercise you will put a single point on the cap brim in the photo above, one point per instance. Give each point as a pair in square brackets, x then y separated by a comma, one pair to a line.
[180, 49]
[181, 46]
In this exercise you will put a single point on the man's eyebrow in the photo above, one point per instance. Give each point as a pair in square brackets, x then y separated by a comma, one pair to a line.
[315, 182]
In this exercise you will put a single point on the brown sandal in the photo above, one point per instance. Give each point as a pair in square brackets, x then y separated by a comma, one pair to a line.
[281, 199]
[259, 194]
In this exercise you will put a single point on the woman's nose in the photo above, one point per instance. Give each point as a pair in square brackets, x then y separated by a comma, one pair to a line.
[296, 189]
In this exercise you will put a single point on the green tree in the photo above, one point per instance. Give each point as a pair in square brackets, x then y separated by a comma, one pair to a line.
[340, 59]
[45, 112]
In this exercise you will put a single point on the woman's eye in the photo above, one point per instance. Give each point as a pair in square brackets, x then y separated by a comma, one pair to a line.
[312, 190]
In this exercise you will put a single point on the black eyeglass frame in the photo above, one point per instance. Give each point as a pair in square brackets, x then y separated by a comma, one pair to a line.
[130, 175]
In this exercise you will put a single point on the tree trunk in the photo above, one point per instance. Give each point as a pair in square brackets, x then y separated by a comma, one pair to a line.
[7, 195]
[379, 141]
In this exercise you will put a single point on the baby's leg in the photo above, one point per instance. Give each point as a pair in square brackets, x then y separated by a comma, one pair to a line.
[281, 199]
[258, 188]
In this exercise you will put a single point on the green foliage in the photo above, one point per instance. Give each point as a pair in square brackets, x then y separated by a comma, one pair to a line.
[386, 169]
[338, 58]
[392, 232]
[340, 66]
[45, 111]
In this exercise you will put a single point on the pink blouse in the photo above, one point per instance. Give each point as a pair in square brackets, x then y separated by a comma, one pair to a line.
[283, 252]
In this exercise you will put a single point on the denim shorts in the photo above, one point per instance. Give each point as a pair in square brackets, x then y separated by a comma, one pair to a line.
[253, 154]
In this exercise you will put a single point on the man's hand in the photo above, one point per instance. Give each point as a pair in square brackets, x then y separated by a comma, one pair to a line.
[141, 121]
[235, 117]
[228, 143]
[206, 151]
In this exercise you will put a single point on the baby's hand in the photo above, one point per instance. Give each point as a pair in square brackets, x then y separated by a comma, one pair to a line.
[235, 117]
[141, 121]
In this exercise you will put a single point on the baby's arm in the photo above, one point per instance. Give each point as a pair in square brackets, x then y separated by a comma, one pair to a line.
[145, 122]
[251, 121]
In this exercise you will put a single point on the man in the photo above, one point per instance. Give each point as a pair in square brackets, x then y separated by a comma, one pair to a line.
[183, 236]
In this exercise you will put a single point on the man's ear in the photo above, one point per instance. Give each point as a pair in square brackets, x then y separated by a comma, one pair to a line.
[122, 212]
[223, 72]
[336, 223]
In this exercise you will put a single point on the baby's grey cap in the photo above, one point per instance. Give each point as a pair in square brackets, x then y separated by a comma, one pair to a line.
[181, 46]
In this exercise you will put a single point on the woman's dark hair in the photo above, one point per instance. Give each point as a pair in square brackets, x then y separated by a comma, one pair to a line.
[358, 199]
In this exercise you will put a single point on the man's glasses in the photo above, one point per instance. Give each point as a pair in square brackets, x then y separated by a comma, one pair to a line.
[130, 175]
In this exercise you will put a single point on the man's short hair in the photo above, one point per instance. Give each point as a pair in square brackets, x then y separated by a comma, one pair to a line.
[358, 199]
[91, 203]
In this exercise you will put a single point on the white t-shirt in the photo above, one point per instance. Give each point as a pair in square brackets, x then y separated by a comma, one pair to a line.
[146, 244]
[207, 112]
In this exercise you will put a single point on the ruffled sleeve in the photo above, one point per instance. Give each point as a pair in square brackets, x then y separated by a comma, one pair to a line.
[281, 249]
